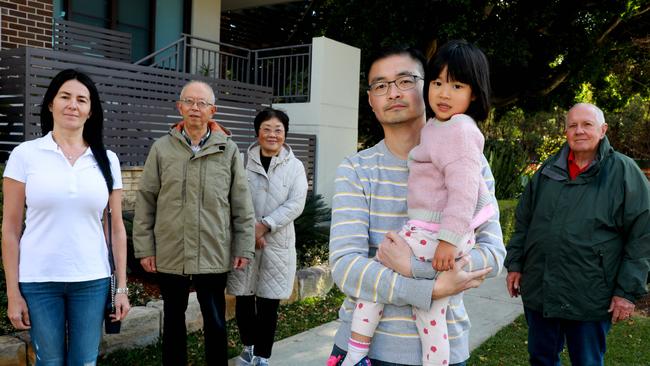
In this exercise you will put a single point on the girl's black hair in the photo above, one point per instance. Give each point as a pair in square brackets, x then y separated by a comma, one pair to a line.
[94, 126]
[268, 113]
[467, 64]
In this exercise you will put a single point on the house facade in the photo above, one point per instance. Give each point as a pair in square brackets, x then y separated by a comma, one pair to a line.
[316, 84]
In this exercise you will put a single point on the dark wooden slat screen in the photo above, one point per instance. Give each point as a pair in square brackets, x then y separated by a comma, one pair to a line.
[139, 103]
[91, 41]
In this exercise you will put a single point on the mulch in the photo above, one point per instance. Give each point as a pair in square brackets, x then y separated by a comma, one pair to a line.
[643, 306]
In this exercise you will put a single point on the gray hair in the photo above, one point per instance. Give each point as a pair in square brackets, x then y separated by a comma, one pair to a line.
[598, 113]
[204, 84]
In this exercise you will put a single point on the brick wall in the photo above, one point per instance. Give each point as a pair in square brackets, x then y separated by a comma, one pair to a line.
[26, 23]
[130, 180]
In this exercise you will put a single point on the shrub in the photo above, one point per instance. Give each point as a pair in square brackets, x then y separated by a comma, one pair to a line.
[629, 129]
[312, 232]
[507, 218]
[508, 162]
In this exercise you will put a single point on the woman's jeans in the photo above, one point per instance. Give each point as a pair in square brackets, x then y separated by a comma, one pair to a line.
[66, 320]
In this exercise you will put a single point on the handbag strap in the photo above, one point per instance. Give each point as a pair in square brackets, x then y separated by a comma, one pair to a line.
[109, 237]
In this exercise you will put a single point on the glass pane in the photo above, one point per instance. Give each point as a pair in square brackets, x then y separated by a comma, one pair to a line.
[134, 16]
[90, 12]
[133, 12]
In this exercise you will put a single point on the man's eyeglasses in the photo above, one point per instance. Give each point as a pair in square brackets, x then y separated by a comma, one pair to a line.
[202, 104]
[406, 82]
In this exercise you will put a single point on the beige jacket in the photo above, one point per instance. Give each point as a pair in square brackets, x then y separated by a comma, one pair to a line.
[194, 210]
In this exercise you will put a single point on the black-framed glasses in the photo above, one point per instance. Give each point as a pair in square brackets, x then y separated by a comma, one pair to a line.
[202, 104]
[406, 82]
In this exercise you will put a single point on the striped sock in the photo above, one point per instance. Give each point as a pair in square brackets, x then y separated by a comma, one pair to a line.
[356, 351]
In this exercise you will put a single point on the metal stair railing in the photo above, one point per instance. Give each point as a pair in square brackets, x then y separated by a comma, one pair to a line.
[197, 55]
[287, 69]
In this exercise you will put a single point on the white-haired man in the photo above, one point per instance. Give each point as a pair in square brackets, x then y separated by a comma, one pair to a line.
[579, 253]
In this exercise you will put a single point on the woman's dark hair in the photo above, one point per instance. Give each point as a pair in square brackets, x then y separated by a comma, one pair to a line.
[268, 113]
[94, 126]
[467, 64]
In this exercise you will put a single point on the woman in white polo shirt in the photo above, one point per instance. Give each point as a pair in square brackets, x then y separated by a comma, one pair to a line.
[57, 270]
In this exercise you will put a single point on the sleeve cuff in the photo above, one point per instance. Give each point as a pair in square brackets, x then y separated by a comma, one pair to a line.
[513, 267]
[450, 237]
[144, 253]
[422, 269]
[620, 293]
[269, 222]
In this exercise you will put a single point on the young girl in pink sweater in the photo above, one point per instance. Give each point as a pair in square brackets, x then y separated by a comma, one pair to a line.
[447, 196]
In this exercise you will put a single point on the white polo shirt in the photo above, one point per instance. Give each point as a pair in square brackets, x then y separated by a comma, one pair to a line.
[63, 239]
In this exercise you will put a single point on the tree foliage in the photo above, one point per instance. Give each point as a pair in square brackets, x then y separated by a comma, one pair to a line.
[542, 53]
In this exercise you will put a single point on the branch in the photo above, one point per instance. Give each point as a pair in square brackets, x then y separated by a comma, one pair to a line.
[609, 30]
[618, 21]
[555, 81]
[499, 102]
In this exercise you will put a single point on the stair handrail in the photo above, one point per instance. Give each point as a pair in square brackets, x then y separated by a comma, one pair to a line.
[181, 41]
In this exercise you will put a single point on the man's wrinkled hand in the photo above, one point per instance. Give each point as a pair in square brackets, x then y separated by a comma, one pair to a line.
[621, 308]
[149, 264]
[240, 263]
[512, 283]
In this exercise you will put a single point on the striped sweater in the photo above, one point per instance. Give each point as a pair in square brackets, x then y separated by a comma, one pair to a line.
[370, 200]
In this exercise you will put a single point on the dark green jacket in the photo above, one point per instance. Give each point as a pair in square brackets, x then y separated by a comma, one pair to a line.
[578, 243]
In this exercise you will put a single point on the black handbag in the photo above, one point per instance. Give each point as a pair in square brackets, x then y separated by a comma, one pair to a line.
[110, 326]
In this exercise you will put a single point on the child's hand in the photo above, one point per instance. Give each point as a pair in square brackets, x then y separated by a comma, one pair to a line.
[443, 259]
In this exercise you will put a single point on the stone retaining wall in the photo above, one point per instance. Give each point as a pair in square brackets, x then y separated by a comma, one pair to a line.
[130, 181]
[143, 326]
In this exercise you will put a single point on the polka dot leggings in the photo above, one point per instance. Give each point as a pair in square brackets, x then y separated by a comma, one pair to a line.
[431, 323]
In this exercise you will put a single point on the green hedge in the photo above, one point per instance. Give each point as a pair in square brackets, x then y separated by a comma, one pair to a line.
[507, 218]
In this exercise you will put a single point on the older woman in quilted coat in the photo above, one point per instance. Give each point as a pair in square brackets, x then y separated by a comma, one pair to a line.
[278, 185]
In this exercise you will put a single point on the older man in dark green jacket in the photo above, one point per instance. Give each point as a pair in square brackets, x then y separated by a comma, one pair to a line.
[579, 255]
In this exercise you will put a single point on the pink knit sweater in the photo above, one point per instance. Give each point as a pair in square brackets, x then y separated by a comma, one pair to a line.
[445, 185]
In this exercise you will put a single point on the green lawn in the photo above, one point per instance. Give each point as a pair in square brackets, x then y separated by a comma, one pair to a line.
[627, 345]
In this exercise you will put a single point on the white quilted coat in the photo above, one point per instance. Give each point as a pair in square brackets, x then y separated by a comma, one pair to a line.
[278, 197]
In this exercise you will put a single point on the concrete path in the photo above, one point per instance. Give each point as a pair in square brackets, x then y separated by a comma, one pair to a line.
[490, 308]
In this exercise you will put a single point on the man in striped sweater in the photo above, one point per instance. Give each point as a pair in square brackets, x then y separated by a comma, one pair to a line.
[370, 206]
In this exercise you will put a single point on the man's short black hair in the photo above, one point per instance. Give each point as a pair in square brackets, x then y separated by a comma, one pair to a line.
[399, 50]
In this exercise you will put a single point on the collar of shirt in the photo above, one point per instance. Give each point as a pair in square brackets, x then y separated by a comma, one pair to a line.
[574, 169]
[196, 148]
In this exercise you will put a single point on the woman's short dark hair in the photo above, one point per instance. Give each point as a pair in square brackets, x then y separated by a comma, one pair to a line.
[268, 113]
[94, 125]
[467, 64]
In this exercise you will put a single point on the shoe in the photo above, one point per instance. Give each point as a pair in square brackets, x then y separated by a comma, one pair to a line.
[365, 361]
[338, 361]
[245, 357]
[260, 361]
[335, 360]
